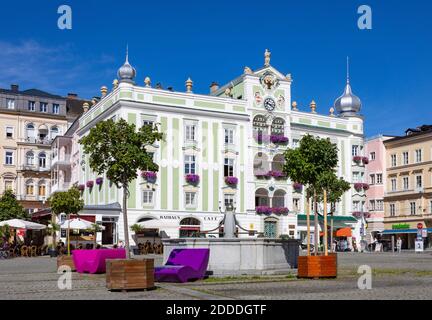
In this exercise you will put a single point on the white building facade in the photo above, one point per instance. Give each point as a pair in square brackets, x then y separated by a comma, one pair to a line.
[218, 149]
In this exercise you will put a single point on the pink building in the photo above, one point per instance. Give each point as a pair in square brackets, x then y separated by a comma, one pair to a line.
[376, 175]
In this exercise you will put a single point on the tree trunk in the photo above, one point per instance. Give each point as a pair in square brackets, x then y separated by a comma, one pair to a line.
[125, 220]
[316, 224]
[325, 224]
[308, 223]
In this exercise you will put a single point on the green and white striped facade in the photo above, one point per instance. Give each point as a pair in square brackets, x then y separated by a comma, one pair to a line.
[236, 109]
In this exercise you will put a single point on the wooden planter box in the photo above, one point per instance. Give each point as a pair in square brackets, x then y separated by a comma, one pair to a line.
[317, 266]
[66, 261]
[129, 274]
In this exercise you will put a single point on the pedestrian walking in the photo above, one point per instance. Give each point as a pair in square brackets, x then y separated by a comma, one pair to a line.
[399, 245]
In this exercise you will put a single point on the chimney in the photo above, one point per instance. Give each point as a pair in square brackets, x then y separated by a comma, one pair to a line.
[14, 88]
[214, 87]
[72, 96]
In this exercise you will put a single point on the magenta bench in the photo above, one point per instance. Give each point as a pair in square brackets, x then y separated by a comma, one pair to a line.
[184, 265]
[94, 261]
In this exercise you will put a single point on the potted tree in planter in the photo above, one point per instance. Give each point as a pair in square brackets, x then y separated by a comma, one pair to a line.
[118, 149]
[310, 165]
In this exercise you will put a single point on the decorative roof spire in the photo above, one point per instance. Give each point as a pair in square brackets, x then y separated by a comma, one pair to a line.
[126, 73]
[348, 104]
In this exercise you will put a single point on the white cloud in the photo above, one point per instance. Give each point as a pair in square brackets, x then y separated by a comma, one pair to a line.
[56, 69]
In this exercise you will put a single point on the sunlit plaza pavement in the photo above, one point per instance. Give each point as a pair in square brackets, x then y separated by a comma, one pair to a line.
[395, 276]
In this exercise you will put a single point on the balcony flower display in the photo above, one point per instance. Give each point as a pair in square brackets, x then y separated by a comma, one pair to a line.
[99, 181]
[357, 214]
[358, 186]
[232, 181]
[276, 174]
[192, 178]
[365, 160]
[81, 187]
[277, 138]
[262, 174]
[298, 187]
[90, 184]
[263, 210]
[280, 210]
[149, 176]
[357, 158]
[365, 186]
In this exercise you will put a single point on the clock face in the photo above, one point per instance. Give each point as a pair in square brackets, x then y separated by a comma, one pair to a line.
[269, 104]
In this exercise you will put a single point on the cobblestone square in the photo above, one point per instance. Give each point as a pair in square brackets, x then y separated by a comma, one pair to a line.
[395, 276]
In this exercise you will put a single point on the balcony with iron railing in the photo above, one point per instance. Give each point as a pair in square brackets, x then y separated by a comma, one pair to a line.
[34, 168]
[39, 141]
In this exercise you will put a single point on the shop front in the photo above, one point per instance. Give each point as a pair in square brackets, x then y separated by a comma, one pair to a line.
[407, 232]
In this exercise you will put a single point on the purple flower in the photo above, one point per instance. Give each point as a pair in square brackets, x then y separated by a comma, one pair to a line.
[365, 186]
[357, 158]
[365, 160]
[276, 174]
[192, 178]
[262, 174]
[277, 138]
[81, 187]
[99, 181]
[298, 186]
[358, 186]
[263, 210]
[90, 184]
[280, 210]
[149, 176]
[233, 181]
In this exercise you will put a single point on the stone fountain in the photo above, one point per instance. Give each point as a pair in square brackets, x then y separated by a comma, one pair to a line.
[233, 256]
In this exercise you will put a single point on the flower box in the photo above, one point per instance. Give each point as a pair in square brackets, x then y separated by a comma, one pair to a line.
[90, 184]
[276, 174]
[99, 181]
[263, 210]
[275, 138]
[358, 186]
[192, 178]
[357, 214]
[280, 210]
[298, 187]
[357, 158]
[149, 176]
[262, 174]
[81, 187]
[232, 181]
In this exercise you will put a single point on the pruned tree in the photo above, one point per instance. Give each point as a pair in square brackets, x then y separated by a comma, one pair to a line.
[118, 149]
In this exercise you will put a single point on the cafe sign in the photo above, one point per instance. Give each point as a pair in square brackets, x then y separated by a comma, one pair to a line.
[400, 226]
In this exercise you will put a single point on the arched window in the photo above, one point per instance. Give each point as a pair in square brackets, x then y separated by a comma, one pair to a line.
[43, 133]
[54, 132]
[190, 228]
[30, 158]
[278, 127]
[279, 199]
[30, 131]
[262, 198]
[29, 187]
[42, 188]
[278, 162]
[261, 164]
[260, 128]
[42, 160]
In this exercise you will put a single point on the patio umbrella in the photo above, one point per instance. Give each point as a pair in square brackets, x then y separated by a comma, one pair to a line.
[79, 224]
[22, 224]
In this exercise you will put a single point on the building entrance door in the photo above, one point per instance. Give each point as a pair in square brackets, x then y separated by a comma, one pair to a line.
[109, 234]
[270, 229]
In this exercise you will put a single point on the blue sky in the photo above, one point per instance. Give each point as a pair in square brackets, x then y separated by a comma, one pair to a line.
[213, 41]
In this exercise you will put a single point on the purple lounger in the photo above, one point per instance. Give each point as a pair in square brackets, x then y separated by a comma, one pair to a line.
[94, 261]
[184, 265]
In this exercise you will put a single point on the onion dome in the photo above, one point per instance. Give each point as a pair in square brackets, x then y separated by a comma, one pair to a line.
[126, 73]
[348, 104]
